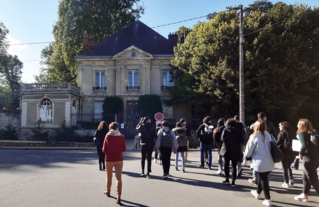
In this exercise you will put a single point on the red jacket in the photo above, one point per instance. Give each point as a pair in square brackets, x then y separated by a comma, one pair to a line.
[113, 147]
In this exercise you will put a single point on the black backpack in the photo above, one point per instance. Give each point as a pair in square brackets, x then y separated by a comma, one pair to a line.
[167, 139]
[314, 145]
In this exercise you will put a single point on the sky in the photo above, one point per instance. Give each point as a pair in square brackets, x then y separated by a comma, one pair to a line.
[32, 21]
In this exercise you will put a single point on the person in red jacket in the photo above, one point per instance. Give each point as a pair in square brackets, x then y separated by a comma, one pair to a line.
[114, 146]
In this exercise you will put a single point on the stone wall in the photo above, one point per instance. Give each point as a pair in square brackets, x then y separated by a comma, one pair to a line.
[12, 118]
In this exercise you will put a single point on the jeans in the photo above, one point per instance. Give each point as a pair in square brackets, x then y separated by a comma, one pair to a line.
[234, 169]
[183, 159]
[263, 184]
[208, 149]
[166, 158]
[310, 176]
[147, 150]
[118, 166]
[286, 163]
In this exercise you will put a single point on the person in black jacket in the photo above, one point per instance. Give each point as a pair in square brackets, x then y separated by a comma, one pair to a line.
[148, 134]
[232, 138]
[205, 135]
[158, 127]
[218, 143]
[188, 134]
[100, 134]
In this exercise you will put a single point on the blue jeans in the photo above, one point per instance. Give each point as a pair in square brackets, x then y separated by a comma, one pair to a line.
[208, 149]
[183, 159]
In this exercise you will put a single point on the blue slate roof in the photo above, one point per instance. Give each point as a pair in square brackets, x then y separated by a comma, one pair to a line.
[137, 34]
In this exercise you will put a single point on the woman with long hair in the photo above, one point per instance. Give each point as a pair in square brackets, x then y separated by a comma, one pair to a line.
[100, 134]
[258, 148]
[114, 146]
[284, 142]
[310, 163]
[180, 133]
[217, 133]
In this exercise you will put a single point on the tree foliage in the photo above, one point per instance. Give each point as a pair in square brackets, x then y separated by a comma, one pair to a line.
[113, 105]
[149, 105]
[97, 17]
[3, 39]
[281, 64]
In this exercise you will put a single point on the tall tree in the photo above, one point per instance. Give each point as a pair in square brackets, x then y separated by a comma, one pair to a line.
[97, 17]
[3, 38]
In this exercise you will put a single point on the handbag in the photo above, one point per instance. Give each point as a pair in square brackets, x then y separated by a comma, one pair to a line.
[223, 150]
[276, 153]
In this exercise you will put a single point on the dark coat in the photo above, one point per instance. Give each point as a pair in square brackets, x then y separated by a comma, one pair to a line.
[232, 137]
[100, 135]
[217, 134]
[148, 133]
[282, 136]
[203, 137]
[181, 130]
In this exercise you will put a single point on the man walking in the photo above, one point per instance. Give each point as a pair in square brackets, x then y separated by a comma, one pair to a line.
[241, 127]
[188, 134]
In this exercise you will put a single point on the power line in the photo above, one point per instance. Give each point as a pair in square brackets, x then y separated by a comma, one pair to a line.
[31, 43]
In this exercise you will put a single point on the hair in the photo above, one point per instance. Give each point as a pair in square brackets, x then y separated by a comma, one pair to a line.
[286, 125]
[178, 124]
[220, 122]
[102, 125]
[236, 118]
[114, 125]
[165, 123]
[146, 118]
[159, 125]
[207, 119]
[260, 126]
[261, 116]
[182, 120]
[305, 126]
[231, 122]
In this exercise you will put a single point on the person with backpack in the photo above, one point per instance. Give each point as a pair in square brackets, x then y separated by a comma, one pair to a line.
[147, 134]
[232, 138]
[180, 133]
[158, 127]
[205, 135]
[166, 140]
[188, 134]
[217, 133]
[309, 154]
[284, 142]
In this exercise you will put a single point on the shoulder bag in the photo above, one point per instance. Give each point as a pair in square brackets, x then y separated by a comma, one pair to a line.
[276, 153]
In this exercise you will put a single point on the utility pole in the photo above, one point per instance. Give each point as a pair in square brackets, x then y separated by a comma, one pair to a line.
[241, 67]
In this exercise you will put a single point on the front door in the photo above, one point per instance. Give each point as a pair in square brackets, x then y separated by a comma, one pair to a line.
[132, 115]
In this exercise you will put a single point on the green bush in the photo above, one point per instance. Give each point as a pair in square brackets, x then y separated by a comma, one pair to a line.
[149, 105]
[65, 133]
[9, 133]
[38, 133]
[113, 105]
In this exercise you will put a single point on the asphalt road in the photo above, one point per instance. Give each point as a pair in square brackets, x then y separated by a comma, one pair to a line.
[71, 178]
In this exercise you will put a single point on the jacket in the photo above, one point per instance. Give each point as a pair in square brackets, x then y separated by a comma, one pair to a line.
[232, 137]
[180, 130]
[114, 146]
[160, 135]
[203, 136]
[100, 135]
[282, 136]
[147, 132]
[217, 135]
[270, 128]
[260, 152]
[304, 138]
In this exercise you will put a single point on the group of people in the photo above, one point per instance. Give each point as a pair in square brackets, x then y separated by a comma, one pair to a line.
[235, 143]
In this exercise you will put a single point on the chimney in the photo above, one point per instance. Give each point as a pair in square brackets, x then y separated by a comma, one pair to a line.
[186, 32]
[85, 42]
[106, 37]
[173, 38]
[91, 44]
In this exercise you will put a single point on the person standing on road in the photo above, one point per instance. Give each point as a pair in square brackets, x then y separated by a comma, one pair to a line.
[284, 142]
[241, 126]
[310, 162]
[166, 140]
[114, 146]
[258, 148]
[99, 135]
[148, 134]
[180, 133]
[188, 134]
[205, 135]
[232, 139]
[217, 133]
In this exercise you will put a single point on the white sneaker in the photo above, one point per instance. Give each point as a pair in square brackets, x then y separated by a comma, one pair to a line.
[285, 185]
[255, 194]
[267, 202]
[302, 197]
[219, 172]
[291, 182]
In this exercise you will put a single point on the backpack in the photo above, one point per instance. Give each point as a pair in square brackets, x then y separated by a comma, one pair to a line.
[247, 131]
[167, 139]
[207, 134]
[314, 145]
[181, 139]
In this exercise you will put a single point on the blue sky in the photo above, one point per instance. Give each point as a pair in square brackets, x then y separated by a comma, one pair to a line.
[33, 20]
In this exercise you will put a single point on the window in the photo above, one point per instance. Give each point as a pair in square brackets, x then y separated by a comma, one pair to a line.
[133, 79]
[98, 110]
[46, 110]
[99, 80]
[168, 78]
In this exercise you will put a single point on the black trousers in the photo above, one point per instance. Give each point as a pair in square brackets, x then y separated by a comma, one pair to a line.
[234, 168]
[310, 176]
[101, 156]
[166, 158]
[263, 184]
[146, 151]
[286, 163]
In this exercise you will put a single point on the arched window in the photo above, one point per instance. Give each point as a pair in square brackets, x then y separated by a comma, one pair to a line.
[46, 113]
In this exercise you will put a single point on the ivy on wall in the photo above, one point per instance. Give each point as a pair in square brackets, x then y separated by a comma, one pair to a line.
[149, 105]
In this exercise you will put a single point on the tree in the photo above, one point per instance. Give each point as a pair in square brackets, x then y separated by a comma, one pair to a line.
[281, 64]
[97, 17]
[149, 105]
[3, 39]
[113, 105]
